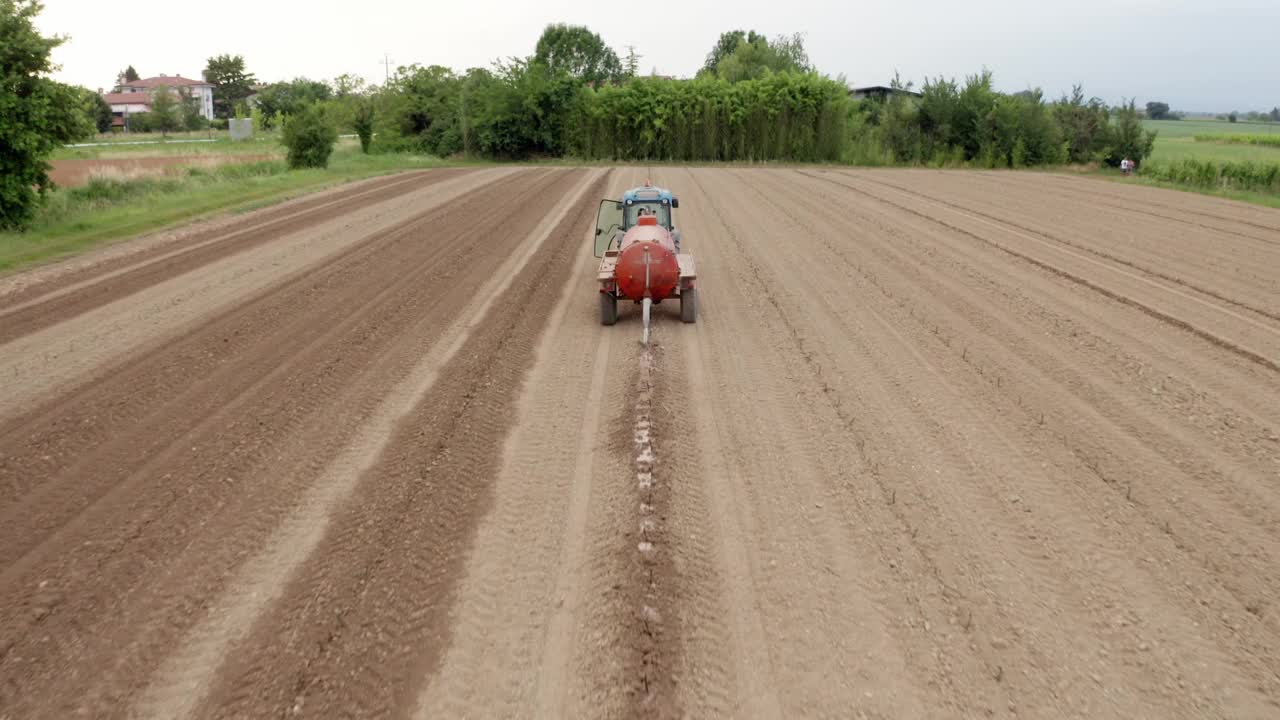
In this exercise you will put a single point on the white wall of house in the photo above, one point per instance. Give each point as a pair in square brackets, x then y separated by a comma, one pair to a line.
[202, 92]
[130, 108]
[205, 95]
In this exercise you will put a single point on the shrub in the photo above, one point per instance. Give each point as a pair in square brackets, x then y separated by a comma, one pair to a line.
[309, 137]
[363, 121]
[1127, 138]
[1084, 125]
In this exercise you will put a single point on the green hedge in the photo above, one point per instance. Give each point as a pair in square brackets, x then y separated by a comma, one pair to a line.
[783, 116]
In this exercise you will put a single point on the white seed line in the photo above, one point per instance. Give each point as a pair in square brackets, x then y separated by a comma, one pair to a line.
[645, 462]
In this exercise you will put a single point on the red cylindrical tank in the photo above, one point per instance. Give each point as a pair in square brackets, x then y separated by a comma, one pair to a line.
[647, 244]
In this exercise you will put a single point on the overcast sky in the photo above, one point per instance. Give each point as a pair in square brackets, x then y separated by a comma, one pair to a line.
[1197, 55]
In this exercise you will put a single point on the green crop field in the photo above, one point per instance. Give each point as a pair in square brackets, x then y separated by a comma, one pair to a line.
[1176, 141]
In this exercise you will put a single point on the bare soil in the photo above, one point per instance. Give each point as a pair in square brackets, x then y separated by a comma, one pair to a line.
[941, 444]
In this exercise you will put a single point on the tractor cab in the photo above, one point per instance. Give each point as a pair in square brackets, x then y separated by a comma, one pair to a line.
[616, 217]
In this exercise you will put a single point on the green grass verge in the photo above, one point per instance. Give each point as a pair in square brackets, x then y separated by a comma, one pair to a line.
[106, 211]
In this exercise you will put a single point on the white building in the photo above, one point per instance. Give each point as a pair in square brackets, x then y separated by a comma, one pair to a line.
[135, 97]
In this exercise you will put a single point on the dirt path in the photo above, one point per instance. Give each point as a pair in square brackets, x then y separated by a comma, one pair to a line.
[940, 445]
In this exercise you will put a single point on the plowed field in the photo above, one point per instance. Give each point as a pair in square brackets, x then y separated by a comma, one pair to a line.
[941, 444]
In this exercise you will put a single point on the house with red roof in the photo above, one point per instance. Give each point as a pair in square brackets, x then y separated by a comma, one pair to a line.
[131, 98]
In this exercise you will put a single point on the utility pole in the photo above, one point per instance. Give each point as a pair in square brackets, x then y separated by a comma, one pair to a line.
[386, 66]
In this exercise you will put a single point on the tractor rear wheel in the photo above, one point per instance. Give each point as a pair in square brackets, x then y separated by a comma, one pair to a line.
[608, 308]
[689, 305]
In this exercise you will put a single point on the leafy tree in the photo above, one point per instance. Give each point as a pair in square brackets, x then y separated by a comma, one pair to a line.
[288, 98]
[97, 110]
[126, 76]
[231, 84]
[789, 53]
[575, 50]
[423, 109]
[1084, 124]
[1157, 111]
[309, 137]
[346, 85]
[1275, 114]
[976, 103]
[166, 110]
[521, 109]
[1233, 117]
[363, 122]
[631, 66]
[1127, 138]
[36, 113]
[727, 44]
[753, 56]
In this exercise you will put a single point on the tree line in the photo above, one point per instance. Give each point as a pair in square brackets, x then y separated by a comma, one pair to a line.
[954, 123]
[755, 99]
[1161, 111]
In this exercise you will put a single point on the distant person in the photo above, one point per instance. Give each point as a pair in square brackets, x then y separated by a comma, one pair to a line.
[1126, 166]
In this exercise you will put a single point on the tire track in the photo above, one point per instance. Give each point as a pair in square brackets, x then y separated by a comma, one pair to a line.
[183, 680]
[1188, 198]
[1167, 317]
[1004, 482]
[30, 285]
[74, 295]
[897, 469]
[1086, 335]
[1100, 199]
[45, 468]
[312, 650]
[1116, 436]
[253, 450]
[804, 475]
[1239, 664]
[1084, 248]
[77, 351]
[526, 591]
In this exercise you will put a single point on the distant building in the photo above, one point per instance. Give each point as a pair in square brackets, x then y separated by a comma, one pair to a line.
[125, 104]
[134, 97]
[879, 92]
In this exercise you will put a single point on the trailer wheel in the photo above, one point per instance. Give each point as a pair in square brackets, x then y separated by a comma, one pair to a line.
[689, 305]
[608, 308]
